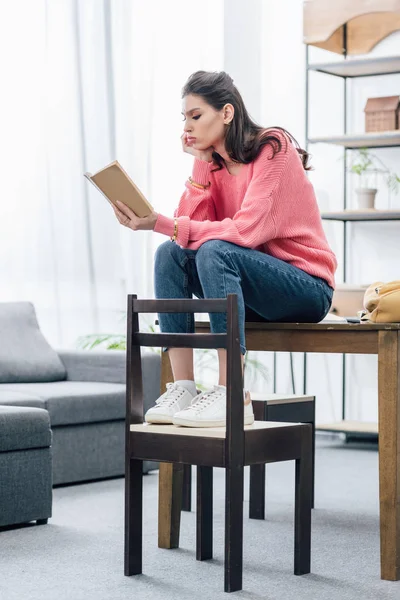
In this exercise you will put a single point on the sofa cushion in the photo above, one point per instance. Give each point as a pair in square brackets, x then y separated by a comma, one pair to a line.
[24, 428]
[73, 402]
[14, 398]
[25, 355]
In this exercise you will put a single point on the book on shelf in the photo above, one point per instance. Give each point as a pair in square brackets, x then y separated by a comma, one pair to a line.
[115, 184]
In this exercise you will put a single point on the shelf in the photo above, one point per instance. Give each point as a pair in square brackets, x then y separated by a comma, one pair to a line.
[350, 427]
[360, 68]
[379, 139]
[362, 215]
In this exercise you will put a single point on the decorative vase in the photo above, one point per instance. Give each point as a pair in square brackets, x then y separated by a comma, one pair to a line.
[366, 197]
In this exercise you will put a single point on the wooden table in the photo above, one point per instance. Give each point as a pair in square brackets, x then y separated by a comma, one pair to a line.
[333, 338]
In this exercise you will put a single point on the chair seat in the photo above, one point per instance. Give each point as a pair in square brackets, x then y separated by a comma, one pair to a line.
[208, 432]
[264, 441]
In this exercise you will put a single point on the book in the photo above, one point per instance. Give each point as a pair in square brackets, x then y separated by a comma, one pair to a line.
[332, 318]
[115, 184]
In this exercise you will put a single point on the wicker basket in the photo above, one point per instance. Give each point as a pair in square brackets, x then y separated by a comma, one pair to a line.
[382, 114]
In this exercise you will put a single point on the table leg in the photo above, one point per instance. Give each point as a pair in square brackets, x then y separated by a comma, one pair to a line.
[170, 484]
[389, 452]
[169, 504]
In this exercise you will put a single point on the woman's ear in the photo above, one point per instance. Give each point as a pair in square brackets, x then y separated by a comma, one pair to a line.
[228, 112]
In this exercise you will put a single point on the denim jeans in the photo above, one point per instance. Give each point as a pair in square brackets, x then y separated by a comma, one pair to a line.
[268, 289]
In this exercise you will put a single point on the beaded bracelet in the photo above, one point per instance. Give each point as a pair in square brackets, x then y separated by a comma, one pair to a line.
[199, 185]
[173, 239]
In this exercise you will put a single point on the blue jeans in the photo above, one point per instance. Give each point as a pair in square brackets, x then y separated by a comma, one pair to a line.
[268, 289]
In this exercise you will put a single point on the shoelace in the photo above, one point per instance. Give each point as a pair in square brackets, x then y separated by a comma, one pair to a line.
[205, 399]
[173, 393]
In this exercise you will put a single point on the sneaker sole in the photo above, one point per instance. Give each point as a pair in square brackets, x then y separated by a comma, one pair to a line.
[188, 423]
[159, 419]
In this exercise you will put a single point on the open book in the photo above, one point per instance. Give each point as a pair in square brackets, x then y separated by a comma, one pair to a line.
[115, 184]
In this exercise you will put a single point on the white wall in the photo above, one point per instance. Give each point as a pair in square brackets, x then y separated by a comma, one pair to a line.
[242, 55]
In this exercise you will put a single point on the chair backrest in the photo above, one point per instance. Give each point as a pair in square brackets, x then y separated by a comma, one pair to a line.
[228, 340]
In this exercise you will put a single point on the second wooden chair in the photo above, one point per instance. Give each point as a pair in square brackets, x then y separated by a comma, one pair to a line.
[231, 448]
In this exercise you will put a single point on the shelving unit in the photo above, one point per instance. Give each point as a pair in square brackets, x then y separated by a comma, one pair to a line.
[362, 215]
[365, 67]
[384, 139]
[351, 428]
[345, 28]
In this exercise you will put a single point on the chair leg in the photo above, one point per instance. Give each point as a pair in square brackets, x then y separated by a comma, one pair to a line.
[234, 529]
[257, 492]
[313, 466]
[204, 516]
[303, 495]
[133, 517]
[170, 483]
[187, 488]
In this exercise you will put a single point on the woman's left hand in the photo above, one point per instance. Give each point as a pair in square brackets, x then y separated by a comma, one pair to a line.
[128, 218]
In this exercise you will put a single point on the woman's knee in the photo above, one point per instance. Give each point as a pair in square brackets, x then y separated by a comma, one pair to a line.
[209, 251]
[165, 255]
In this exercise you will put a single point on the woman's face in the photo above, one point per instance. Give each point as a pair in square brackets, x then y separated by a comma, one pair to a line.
[203, 125]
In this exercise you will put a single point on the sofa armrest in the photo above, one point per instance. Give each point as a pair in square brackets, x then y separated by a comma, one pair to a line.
[94, 365]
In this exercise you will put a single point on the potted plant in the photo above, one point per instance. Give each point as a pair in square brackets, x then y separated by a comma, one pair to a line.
[368, 166]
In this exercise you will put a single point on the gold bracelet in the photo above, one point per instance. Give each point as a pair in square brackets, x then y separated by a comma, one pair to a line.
[173, 239]
[199, 185]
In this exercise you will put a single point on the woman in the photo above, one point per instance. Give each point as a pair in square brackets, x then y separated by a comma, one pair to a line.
[248, 224]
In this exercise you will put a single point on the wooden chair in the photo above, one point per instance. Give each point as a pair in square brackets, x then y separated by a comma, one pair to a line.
[288, 408]
[231, 448]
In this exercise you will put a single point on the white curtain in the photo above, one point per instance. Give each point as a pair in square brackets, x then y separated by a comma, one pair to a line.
[84, 83]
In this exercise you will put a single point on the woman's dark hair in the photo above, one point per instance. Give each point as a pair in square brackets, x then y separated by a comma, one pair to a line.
[244, 138]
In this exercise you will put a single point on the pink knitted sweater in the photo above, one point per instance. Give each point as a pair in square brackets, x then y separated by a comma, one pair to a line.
[269, 206]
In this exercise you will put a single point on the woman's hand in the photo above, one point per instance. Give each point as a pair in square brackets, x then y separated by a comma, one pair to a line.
[187, 146]
[128, 218]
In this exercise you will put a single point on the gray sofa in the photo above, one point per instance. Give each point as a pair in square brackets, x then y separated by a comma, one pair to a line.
[25, 465]
[82, 391]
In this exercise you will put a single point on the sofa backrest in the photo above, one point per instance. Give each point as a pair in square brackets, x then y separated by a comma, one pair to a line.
[25, 354]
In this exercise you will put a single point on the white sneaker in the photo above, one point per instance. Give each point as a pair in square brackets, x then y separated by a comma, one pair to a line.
[175, 399]
[209, 410]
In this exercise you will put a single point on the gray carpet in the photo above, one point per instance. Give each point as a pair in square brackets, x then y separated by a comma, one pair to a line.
[79, 554]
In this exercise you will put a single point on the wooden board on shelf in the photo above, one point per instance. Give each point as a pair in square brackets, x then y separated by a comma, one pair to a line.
[355, 427]
[368, 22]
[360, 67]
[381, 139]
[362, 215]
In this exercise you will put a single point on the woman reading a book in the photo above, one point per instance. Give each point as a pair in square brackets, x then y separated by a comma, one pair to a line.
[248, 224]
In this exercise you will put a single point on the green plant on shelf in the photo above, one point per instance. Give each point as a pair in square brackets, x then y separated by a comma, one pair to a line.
[368, 166]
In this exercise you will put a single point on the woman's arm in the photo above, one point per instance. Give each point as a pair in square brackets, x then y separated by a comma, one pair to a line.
[197, 203]
[253, 224]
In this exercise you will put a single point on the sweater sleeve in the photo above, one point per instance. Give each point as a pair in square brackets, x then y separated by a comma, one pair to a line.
[253, 224]
[195, 203]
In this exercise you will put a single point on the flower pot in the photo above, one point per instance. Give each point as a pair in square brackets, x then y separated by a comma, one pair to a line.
[366, 197]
